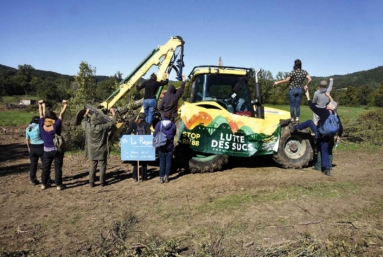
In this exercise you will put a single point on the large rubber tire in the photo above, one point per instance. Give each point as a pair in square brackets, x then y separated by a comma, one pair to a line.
[295, 150]
[186, 158]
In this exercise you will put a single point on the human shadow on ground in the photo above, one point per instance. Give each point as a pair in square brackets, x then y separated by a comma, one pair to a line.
[14, 169]
[111, 177]
[265, 161]
[13, 152]
[75, 180]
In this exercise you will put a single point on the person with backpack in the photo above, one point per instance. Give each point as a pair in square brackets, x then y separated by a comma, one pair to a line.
[35, 147]
[165, 151]
[96, 147]
[329, 125]
[169, 102]
[151, 86]
[296, 79]
[139, 127]
[49, 126]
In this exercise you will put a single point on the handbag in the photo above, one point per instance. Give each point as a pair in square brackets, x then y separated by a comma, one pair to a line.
[59, 142]
[160, 139]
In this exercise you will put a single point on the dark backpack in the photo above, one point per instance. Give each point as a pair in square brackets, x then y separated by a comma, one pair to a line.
[140, 130]
[330, 126]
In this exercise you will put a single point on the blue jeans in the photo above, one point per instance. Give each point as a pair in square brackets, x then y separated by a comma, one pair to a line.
[165, 160]
[295, 96]
[149, 106]
[326, 144]
[308, 124]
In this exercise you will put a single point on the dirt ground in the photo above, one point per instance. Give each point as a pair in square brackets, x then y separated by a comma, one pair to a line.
[246, 210]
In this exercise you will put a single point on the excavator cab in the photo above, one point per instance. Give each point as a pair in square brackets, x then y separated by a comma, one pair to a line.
[229, 90]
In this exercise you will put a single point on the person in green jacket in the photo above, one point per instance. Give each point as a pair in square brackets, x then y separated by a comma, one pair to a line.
[96, 143]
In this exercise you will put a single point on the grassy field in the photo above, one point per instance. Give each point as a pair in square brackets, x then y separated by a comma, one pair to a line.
[15, 117]
[344, 112]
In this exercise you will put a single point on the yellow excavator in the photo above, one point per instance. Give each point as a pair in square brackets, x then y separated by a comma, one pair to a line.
[218, 119]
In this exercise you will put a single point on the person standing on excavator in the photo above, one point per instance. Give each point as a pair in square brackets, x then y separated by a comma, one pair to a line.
[296, 79]
[151, 86]
[169, 102]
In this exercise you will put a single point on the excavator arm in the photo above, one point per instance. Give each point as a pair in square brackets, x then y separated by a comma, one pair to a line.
[164, 57]
[167, 57]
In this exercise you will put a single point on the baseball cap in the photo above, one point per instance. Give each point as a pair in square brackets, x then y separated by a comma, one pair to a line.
[35, 119]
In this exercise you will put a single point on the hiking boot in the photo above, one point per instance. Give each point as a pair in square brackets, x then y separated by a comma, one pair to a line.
[327, 172]
[103, 184]
[60, 187]
[43, 187]
[161, 180]
[166, 179]
[315, 168]
[35, 182]
[91, 184]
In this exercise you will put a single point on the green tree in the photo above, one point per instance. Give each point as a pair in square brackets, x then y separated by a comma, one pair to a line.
[278, 94]
[350, 98]
[266, 81]
[63, 89]
[105, 88]
[47, 89]
[84, 91]
[378, 96]
[23, 77]
[364, 94]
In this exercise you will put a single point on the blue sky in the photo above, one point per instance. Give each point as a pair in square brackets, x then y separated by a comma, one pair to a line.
[330, 37]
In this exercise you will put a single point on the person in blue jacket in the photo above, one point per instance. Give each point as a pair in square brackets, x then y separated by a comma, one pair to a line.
[35, 147]
[165, 152]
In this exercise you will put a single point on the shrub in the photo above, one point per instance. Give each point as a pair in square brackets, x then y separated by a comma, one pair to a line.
[368, 128]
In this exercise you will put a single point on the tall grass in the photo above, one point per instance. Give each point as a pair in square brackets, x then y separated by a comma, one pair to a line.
[16, 117]
[16, 99]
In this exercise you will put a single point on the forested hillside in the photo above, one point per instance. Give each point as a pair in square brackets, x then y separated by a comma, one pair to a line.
[373, 78]
[25, 80]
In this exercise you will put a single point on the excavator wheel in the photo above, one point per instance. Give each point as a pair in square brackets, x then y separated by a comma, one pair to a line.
[295, 150]
[196, 162]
